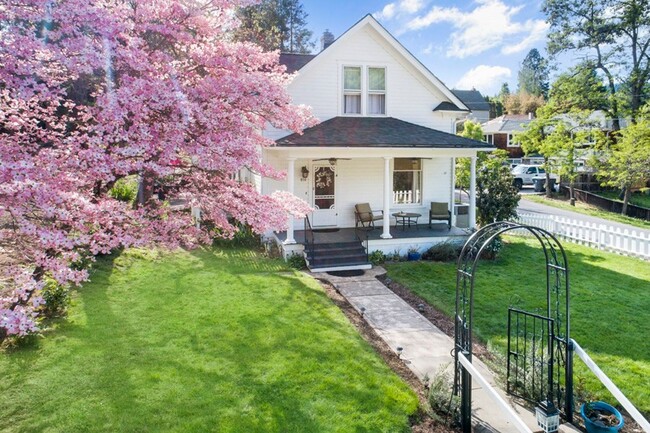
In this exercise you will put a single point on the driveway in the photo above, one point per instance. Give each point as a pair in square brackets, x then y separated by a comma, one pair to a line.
[526, 206]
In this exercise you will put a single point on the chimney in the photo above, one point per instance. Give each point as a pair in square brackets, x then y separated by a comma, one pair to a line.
[326, 40]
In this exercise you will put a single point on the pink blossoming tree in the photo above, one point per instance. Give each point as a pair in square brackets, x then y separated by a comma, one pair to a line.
[94, 92]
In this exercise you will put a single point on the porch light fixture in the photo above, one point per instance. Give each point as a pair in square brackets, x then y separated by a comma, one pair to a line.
[304, 171]
[548, 417]
[332, 161]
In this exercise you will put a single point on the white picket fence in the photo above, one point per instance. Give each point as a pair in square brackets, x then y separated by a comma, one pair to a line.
[600, 236]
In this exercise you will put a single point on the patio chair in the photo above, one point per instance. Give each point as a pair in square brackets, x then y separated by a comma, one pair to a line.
[365, 216]
[439, 212]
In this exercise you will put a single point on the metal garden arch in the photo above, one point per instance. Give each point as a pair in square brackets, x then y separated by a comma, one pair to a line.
[539, 353]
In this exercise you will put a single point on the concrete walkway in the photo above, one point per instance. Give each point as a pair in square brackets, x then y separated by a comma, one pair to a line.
[426, 349]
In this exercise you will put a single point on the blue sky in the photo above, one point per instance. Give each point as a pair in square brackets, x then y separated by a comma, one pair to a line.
[478, 43]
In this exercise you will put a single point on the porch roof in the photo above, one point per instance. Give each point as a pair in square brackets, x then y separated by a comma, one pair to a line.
[377, 132]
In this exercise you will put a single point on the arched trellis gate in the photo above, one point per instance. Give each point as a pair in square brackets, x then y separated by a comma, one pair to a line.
[539, 354]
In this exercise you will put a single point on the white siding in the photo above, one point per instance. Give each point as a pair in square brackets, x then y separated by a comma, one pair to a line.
[409, 95]
[361, 181]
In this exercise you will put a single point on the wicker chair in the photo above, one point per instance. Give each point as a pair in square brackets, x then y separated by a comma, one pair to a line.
[439, 212]
[365, 216]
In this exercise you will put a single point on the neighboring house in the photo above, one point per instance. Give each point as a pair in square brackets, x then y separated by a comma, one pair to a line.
[478, 106]
[501, 131]
[385, 138]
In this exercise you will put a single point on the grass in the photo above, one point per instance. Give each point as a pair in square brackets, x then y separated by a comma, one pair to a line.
[587, 209]
[205, 341]
[610, 306]
[636, 198]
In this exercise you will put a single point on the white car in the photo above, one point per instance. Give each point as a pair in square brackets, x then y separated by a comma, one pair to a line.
[525, 174]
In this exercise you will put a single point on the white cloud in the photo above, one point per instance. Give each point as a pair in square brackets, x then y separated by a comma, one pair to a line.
[428, 49]
[395, 9]
[491, 24]
[484, 78]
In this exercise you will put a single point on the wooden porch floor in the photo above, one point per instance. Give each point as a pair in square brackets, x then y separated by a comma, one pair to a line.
[348, 234]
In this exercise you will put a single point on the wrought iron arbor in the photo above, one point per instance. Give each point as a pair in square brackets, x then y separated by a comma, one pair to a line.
[539, 352]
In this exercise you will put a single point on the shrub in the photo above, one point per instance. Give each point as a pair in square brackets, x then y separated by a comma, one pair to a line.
[442, 252]
[56, 297]
[125, 189]
[296, 261]
[377, 257]
[491, 251]
[441, 397]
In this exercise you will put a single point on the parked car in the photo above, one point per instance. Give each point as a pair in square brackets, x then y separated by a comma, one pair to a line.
[525, 174]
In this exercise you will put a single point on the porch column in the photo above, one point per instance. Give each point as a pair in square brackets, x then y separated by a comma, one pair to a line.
[387, 188]
[290, 187]
[472, 193]
[452, 195]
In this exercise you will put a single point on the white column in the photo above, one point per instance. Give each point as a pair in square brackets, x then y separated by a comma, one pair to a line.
[452, 195]
[387, 189]
[291, 172]
[472, 193]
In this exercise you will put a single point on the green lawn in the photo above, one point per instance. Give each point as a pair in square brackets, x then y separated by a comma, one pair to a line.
[222, 341]
[587, 209]
[610, 306]
[636, 198]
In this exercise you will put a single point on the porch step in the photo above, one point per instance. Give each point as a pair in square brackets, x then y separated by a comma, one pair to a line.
[360, 266]
[337, 256]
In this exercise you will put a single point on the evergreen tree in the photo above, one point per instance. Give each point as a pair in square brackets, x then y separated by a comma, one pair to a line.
[615, 36]
[533, 75]
[276, 25]
[579, 89]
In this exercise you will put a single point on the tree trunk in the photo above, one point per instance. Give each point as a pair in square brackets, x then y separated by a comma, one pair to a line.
[626, 200]
[145, 188]
[548, 178]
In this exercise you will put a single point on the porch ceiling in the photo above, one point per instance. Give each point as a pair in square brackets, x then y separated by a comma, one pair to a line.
[377, 132]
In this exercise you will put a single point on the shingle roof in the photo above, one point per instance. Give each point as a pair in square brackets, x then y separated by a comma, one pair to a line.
[506, 123]
[294, 62]
[473, 99]
[377, 132]
[448, 106]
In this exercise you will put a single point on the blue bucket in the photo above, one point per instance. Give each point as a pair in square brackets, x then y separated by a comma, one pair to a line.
[593, 427]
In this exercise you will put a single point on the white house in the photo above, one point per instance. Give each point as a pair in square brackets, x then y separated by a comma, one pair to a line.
[385, 138]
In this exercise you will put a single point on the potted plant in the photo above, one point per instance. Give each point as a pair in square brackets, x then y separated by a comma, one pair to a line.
[600, 417]
[413, 254]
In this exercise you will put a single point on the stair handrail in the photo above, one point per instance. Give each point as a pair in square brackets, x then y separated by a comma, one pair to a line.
[364, 240]
[309, 238]
[629, 407]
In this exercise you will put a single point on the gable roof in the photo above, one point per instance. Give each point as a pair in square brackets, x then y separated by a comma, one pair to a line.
[473, 99]
[294, 62]
[406, 54]
[448, 106]
[377, 132]
[506, 123]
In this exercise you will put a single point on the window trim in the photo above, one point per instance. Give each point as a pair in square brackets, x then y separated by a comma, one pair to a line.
[365, 92]
[509, 137]
[488, 138]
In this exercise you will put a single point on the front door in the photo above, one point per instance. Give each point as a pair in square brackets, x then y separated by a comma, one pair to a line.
[324, 194]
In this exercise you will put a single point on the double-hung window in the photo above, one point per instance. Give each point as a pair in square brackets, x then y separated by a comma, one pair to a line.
[376, 91]
[352, 90]
[407, 181]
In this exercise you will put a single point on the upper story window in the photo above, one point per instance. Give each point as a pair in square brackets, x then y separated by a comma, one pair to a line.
[352, 90]
[376, 91]
[364, 90]
[488, 138]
